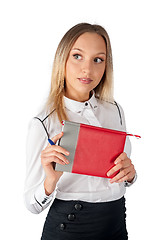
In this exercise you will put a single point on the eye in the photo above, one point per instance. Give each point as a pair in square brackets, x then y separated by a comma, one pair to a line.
[77, 56]
[98, 60]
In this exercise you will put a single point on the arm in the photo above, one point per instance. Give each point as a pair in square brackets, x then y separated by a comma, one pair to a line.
[39, 187]
[34, 193]
[123, 163]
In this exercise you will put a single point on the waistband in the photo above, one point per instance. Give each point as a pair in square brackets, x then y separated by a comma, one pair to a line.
[74, 205]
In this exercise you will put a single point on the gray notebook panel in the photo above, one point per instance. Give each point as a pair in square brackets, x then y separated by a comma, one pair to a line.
[69, 142]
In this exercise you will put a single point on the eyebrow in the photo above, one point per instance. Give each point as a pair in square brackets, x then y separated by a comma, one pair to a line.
[83, 51]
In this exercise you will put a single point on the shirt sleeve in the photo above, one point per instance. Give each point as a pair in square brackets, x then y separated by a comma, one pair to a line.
[128, 184]
[34, 194]
[128, 147]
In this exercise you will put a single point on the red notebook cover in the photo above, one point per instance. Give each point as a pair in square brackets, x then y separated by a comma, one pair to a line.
[93, 150]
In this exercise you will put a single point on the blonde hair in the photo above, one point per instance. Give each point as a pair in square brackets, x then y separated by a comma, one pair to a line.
[104, 90]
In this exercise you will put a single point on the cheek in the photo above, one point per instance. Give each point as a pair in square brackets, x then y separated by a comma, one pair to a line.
[71, 68]
[68, 71]
[99, 73]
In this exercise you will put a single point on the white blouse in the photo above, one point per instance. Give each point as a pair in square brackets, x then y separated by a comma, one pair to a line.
[71, 186]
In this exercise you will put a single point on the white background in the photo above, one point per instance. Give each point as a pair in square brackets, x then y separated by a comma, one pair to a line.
[30, 32]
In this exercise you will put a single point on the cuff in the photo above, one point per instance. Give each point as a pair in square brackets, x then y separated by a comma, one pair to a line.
[41, 198]
[128, 184]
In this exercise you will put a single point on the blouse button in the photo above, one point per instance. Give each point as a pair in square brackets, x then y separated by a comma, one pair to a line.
[86, 104]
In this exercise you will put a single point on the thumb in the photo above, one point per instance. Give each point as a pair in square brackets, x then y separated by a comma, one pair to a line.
[57, 137]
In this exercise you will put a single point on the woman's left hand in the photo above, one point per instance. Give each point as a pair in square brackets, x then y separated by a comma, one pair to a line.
[127, 170]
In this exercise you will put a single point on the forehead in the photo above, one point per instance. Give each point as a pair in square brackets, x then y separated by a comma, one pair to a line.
[90, 42]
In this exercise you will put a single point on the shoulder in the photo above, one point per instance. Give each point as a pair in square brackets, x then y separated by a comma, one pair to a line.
[113, 106]
[47, 122]
[113, 109]
[39, 124]
[44, 115]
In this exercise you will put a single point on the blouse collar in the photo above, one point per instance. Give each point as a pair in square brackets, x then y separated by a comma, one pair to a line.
[78, 107]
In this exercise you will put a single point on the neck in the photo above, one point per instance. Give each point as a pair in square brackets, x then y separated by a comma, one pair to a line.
[79, 98]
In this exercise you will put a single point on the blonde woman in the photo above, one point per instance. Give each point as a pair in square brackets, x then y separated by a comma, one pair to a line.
[83, 207]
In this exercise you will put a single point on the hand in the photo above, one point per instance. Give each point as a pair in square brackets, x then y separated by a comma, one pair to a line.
[127, 170]
[49, 156]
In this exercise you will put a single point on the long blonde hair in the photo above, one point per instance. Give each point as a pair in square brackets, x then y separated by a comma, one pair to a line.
[103, 91]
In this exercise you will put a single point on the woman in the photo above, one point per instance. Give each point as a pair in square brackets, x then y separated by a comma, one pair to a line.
[84, 207]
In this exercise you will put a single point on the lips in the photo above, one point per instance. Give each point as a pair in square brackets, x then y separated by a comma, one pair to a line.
[85, 80]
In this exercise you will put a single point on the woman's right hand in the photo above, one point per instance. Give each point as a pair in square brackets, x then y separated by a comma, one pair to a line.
[49, 156]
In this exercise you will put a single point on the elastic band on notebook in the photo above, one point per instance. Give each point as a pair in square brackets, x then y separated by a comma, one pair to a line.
[137, 136]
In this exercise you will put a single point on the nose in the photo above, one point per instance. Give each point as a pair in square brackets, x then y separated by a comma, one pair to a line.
[87, 67]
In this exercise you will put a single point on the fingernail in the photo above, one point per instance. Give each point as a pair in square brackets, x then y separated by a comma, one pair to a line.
[67, 162]
[67, 153]
[108, 174]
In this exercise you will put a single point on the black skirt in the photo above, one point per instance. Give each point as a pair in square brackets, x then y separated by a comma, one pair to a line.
[68, 220]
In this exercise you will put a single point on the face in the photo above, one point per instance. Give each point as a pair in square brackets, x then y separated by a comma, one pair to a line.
[85, 66]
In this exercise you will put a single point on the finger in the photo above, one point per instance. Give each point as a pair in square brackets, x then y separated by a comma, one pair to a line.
[119, 165]
[56, 137]
[125, 178]
[129, 177]
[56, 148]
[115, 169]
[127, 173]
[55, 154]
[121, 174]
[121, 157]
[52, 159]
